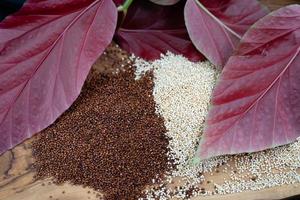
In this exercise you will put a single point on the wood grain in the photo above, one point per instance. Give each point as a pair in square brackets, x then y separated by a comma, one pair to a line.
[17, 173]
[17, 183]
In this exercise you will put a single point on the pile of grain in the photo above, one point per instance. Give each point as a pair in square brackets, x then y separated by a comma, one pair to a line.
[111, 139]
[182, 91]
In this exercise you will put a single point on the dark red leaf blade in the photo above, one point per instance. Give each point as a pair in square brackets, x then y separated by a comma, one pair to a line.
[46, 51]
[216, 27]
[149, 30]
[118, 2]
[256, 103]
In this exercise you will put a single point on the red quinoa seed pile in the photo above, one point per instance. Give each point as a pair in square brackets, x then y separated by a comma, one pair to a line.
[111, 139]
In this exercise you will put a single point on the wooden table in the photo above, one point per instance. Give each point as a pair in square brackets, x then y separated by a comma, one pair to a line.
[17, 174]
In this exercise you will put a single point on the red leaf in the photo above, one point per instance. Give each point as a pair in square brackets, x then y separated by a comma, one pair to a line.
[46, 51]
[149, 30]
[256, 104]
[118, 2]
[216, 27]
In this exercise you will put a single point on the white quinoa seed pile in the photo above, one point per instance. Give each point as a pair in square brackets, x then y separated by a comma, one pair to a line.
[264, 169]
[182, 91]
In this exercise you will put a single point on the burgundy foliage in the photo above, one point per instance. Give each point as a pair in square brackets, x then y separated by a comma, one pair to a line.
[150, 29]
[118, 2]
[216, 27]
[46, 51]
[256, 103]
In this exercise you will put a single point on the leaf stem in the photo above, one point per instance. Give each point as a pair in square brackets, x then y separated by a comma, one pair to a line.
[125, 6]
[217, 20]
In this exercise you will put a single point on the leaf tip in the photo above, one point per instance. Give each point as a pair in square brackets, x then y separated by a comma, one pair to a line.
[196, 160]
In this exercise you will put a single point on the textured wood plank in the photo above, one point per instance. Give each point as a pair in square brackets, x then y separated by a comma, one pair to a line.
[17, 174]
[17, 183]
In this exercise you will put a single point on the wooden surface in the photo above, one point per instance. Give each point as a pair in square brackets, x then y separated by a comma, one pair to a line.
[17, 183]
[17, 173]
